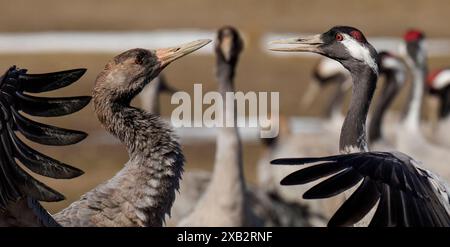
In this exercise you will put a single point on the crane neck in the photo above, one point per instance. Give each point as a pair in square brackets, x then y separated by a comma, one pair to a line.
[229, 146]
[154, 152]
[225, 76]
[353, 133]
[411, 120]
[228, 175]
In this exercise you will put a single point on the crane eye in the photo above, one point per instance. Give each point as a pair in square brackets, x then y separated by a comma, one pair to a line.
[339, 37]
[139, 60]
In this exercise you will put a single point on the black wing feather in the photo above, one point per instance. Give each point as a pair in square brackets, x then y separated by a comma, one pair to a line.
[383, 215]
[51, 107]
[39, 83]
[42, 164]
[27, 184]
[46, 134]
[334, 185]
[311, 173]
[405, 193]
[361, 202]
[308, 160]
[15, 183]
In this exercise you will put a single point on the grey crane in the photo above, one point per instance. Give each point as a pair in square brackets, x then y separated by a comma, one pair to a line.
[393, 189]
[142, 193]
[394, 70]
[228, 200]
[223, 203]
[410, 137]
[438, 85]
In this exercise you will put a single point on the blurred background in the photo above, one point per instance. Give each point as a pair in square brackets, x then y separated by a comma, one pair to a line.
[47, 35]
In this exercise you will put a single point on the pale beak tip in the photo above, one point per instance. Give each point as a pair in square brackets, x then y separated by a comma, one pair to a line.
[205, 41]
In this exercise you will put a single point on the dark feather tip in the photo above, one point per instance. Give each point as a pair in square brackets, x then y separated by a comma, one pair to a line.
[51, 107]
[290, 179]
[285, 161]
[38, 83]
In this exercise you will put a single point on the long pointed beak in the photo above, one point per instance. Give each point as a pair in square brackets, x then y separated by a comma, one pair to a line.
[306, 44]
[168, 55]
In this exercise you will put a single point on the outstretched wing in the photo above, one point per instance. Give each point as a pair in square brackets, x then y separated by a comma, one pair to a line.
[16, 185]
[406, 194]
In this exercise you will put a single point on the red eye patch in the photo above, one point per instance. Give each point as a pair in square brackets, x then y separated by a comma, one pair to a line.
[357, 35]
[413, 35]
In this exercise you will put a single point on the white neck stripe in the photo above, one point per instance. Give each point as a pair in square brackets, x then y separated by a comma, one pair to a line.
[359, 52]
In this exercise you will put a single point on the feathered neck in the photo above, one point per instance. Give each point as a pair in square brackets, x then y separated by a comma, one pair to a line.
[155, 154]
[353, 134]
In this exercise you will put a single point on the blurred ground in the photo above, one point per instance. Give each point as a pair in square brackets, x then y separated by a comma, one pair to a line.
[257, 71]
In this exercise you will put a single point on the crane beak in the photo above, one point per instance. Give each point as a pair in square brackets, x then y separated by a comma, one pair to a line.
[167, 55]
[306, 44]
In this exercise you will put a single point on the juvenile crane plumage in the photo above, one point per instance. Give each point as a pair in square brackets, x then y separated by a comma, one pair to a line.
[140, 194]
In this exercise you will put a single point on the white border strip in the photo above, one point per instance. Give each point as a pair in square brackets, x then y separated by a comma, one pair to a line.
[98, 42]
[112, 42]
